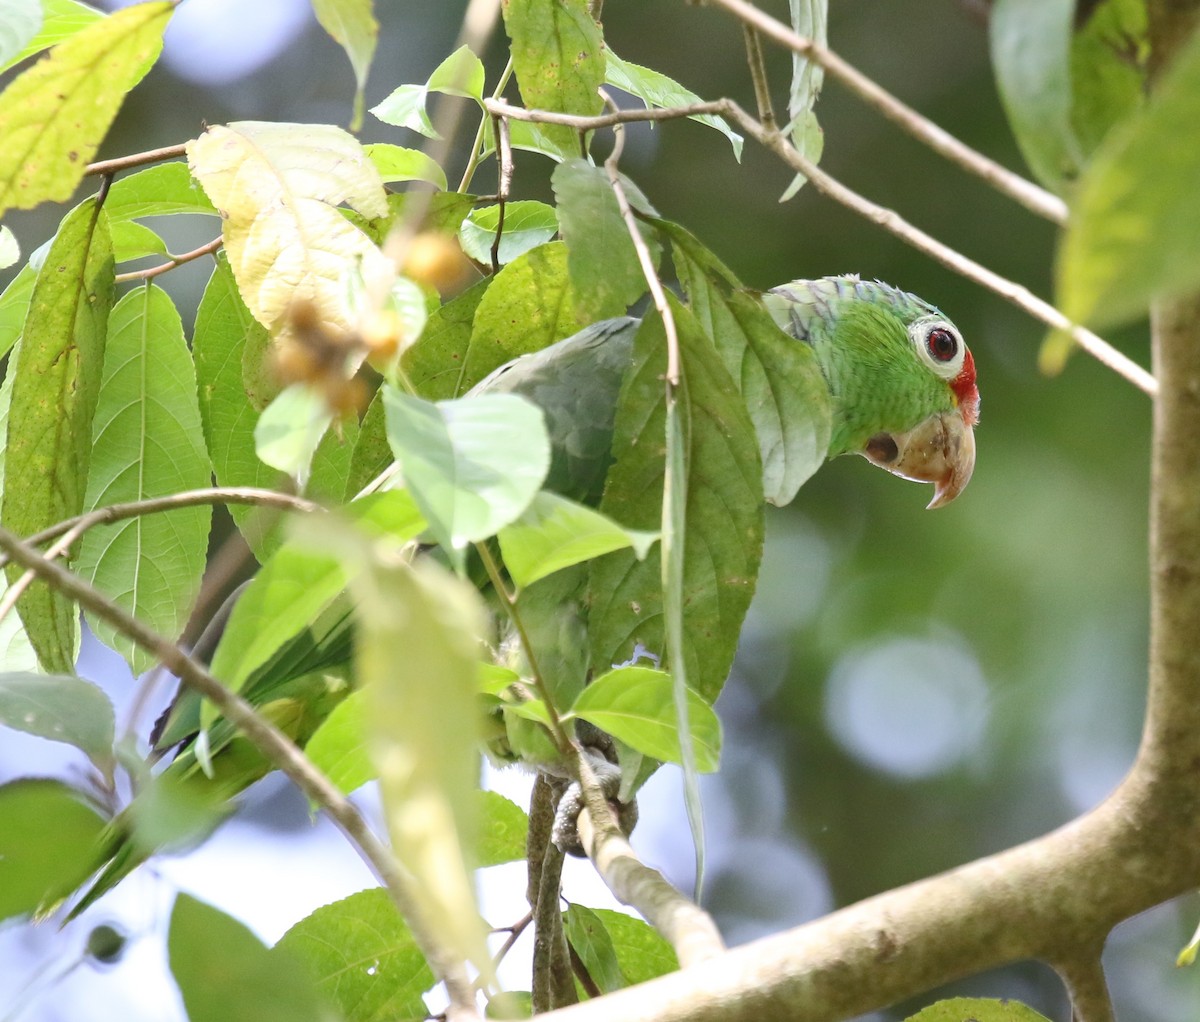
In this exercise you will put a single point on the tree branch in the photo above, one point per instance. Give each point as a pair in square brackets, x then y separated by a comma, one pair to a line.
[1036, 200]
[1084, 980]
[107, 167]
[187, 498]
[827, 185]
[269, 740]
[686, 927]
[154, 271]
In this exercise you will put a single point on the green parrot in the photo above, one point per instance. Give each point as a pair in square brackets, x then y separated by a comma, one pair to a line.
[901, 383]
[902, 394]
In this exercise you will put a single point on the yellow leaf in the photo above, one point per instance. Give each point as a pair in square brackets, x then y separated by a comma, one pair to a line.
[54, 116]
[278, 187]
[416, 653]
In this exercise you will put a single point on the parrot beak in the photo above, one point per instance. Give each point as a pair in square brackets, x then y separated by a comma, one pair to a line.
[939, 450]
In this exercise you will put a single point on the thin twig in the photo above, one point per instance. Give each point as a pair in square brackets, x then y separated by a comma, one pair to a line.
[502, 108]
[580, 969]
[170, 264]
[188, 498]
[557, 731]
[135, 160]
[514, 934]
[1036, 200]
[685, 926]
[645, 261]
[1017, 294]
[889, 220]
[758, 75]
[13, 593]
[269, 740]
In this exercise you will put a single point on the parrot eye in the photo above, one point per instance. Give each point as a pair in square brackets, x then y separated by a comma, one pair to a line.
[939, 345]
[942, 344]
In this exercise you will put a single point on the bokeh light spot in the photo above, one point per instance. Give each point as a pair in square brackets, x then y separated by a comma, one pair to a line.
[908, 706]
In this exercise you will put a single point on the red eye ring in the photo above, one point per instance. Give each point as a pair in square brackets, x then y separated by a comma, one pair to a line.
[941, 344]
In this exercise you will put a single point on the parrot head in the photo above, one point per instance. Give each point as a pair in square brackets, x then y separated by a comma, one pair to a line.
[901, 380]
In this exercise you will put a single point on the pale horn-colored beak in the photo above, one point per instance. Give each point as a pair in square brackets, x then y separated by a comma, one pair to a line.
[939, 450]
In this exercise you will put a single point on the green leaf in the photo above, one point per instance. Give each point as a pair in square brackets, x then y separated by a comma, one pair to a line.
[146, 442]
[603, 262]
[14, 305]
[62, 708]
[510, 1004]
[224, 327]
[558, 56]
[395, 163]
[434, 364]
[472, 464]
[425, 733]
[724, 525]
[1134, 232]
[338, 747]
[530, 305]
[809, 19]
[977, 1009]
[371, 454]
[20, 21]
[1108, 72]
[161, 190]
[297, 584]
[642, 953]
[636, 705]
[554, 533]
[527, 224]
[135, 241]
[353, 27]
[503, 830]
[16, 653]
[532, 138]
[174, 812]
[362, 957]
[52, 116]
[226, 974]
[779, 378]
[658, 91]
[61, 20]
[589, 940]
[57, 383]
[1031, 44]
[47, 844]
[289, 429]
[460, 74]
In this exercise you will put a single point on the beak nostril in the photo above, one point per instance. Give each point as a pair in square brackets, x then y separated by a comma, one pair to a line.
[882, 448]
